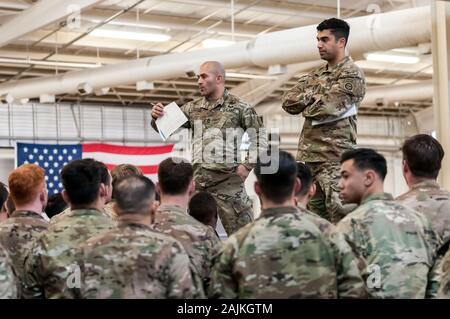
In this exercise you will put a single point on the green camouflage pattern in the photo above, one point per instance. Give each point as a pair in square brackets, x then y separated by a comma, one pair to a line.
[283, 254]
[398, 245]
[17, 234]
[326, 202]
[8, 279]
[444, 289]
[199, 241]
[54, 255]
[325, 95]
[433, 202]
[134, 261]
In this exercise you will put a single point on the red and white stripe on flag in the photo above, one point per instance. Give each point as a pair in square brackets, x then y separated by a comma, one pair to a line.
[147, 158]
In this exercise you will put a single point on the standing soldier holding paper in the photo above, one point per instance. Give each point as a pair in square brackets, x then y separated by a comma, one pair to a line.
[215, 119]
[328, 98]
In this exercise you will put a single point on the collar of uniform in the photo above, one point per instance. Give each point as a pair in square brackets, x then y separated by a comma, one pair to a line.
[26, 213]
[426, 184]
[209, 106]
[86, 211]
[327, 68]
[379, 196]
[279, 211]
[165, 207]
[129, 221]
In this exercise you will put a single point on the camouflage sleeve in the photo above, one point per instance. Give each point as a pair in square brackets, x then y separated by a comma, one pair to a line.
[222, 283]
[349, 279]
[213, 245]
[8, 279]
[31, 288]
[184, 283]
[444, 268]
[254, 126]
[185, 108]
[299, 97]
[349, 90]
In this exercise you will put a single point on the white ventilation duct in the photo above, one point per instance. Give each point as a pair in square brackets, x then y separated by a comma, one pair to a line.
[369, 33]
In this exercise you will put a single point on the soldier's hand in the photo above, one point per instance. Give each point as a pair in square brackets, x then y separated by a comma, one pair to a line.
[242, 171]
[157, 110]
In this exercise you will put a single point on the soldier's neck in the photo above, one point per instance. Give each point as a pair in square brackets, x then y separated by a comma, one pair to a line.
[268, 204]
[413, 180]
[216, 95]
[98, 205]
[137, 218]
[375, 188]
[338, 59]
[31, 207]
[176, 200]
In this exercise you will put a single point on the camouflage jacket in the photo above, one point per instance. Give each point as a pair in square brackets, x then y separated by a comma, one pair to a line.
[429, 199]
[17, 234]
[283, 254]
[199, 241]
[215, 152]
[134, 261]
[51, 267]
[398, 245]
[324, 96]
[444, 289]
[8, 280]
[107, 212]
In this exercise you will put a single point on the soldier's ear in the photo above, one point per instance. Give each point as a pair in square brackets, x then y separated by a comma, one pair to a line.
[191, 188]
[370, 177]
[257, 189]
[158, 188]
[297, 185]
[65, 197]
[312, 190]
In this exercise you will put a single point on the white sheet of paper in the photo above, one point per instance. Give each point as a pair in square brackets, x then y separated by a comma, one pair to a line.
[350, 112]
[171, 121]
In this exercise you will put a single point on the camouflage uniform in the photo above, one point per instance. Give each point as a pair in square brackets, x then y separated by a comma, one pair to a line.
[433, 202]
[216, 157]
[134, 261]
[285, 255]
[8, 280]
[199, 241]
[397, 243]
[444, 290]
[17, 234]
[52, 261]
[323, 96]
[107, 212]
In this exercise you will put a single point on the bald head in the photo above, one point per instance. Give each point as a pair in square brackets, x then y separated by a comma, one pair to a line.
[211, 80]
[214, 67]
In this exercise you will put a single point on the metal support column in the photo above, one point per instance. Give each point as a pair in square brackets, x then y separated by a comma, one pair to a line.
[440, 22]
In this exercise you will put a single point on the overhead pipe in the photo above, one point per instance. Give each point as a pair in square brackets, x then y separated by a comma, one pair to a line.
[369, 33]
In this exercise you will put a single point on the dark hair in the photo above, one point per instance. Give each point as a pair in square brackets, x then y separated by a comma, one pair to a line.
[203, 207]
[82, 179]
[278, 186]
[55, 205]
[306, 178]
[423, 154]
[3, 193]
[366, 158]
[174, 176]
[339, 28]
[134, 193]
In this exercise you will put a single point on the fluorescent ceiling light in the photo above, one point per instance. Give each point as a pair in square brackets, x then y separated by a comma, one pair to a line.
[212, 43]
[49, 63]
[384, 57]
[250, 76]
[140, 36]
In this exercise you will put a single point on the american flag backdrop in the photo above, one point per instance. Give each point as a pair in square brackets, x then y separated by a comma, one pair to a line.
[53, 157]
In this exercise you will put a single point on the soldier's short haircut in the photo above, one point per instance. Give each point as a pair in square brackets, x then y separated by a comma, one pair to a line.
[306, 178]
[134, 194]
[424, 155]
[82, 178]
[123, 170]
[3, 194]
[25, 183]
[55, 205]
[174, 176]
[339, 28]
[366, 158]
[278, 186]
[203, 207]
